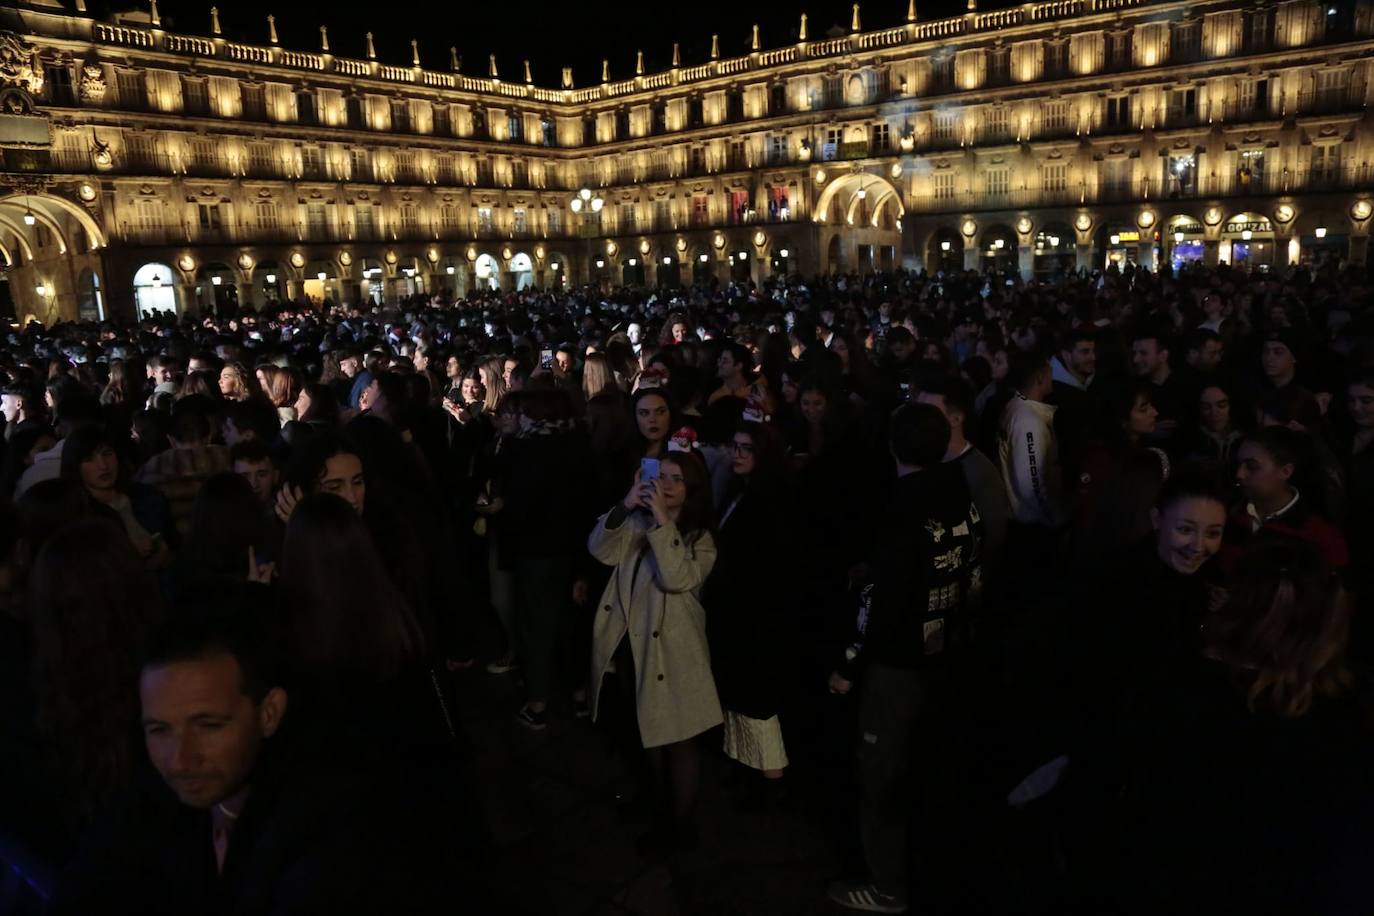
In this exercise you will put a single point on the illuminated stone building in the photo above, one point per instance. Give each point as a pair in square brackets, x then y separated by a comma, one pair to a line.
[151, 169]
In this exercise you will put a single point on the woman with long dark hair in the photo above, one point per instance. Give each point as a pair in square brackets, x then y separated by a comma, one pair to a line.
[745, 605]
[348, 623]
[90, 456]
[91, 604]
[652, 628]
[1249, 788]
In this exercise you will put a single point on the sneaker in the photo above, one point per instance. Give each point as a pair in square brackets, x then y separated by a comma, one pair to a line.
[501, 666]
[864, 895]
[536, 721]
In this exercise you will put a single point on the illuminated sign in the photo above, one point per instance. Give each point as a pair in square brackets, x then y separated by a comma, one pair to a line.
[1257, 226]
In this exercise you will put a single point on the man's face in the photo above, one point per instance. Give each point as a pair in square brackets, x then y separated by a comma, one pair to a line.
[563, 360]
[165, 374]
[1083, 358]
[261, 476]
[202, 732]
[1146, 356]
[368, 398]
[1277, 360]
[349, 366]
[726, 367]
[343, 476]
[1259, 475]
[1208, 356]
[11, 404]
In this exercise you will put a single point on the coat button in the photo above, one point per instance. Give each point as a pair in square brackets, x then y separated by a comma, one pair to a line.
[676, 542]
[655, 634]
[660, 677]
[608, 607]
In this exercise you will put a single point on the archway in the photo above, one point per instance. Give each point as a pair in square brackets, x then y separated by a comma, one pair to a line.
[266, 282]
[409, 279]
[1322, 239]
[522, 271]
[154, 293]
[90, 299]
[1184, 238]
[556, 274]
[1054, 250]
[858, 197]
[945, 251]
[739, 265]
[997, 248]
[702, 275]
[1247, 239]
[372, 285]
[632, 271]
[488, 271]
[53, 211]
[216, 291]
[669, 272]
[1117, 244]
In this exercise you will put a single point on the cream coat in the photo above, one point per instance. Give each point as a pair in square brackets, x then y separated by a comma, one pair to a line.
[675, 694]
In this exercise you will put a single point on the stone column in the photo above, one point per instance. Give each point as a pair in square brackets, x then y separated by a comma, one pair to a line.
[972, 253]
[1025, 261]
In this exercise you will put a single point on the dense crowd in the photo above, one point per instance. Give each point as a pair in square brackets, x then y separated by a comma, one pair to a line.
[1087, 559]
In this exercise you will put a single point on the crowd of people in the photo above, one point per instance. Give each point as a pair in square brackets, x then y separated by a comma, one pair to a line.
[1085, 557]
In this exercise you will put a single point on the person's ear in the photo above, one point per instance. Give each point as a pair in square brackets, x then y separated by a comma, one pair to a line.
[1286, 471]
[271, 711]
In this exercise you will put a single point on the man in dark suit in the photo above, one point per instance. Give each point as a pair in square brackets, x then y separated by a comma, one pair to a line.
[265, 814]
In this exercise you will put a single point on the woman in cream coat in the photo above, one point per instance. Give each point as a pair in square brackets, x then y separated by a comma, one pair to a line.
[651, 625]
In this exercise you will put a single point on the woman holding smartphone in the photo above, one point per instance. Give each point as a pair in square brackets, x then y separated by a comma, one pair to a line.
[650, 628]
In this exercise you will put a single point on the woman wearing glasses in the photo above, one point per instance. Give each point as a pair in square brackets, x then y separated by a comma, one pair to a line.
[745, 608]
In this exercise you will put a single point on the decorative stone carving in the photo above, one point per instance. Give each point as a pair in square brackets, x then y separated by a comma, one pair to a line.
[92, 83]
[20, 66]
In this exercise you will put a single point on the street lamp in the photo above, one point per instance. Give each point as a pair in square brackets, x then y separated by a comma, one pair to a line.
[588, 205]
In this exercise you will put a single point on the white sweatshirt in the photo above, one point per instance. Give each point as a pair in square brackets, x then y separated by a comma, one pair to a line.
[1028, 455]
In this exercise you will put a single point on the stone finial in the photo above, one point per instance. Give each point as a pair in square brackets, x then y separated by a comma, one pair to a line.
[639, 63]
[371, 49]
[715, 47]
[854, 25]
[491, 67]
[214, 20]
[528, 77]
[801, 36]
[453, 61]
[324, 38]
[754, 42]
[605, 70]
[153, 14]
[973, 6]
[567, 78]
[677, 55]
[271, 28]
[911, 11]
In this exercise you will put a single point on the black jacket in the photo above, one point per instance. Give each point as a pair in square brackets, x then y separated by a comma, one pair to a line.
[746, 602]
[320, 833]
[925, 577]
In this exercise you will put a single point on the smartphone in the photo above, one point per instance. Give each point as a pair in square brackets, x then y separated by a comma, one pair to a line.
[546, 359]
[648, 469]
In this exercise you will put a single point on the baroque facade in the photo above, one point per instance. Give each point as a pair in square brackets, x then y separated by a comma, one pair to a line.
[144, 169]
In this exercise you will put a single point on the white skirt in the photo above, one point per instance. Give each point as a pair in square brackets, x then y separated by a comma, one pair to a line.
[756, 743]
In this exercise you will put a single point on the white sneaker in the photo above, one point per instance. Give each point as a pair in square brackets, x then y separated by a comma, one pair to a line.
[865, 896]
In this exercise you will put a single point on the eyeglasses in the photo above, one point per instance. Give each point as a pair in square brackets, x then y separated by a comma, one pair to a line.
[742, 448]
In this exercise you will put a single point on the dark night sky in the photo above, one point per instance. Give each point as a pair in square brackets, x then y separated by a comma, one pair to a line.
[551, 35]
